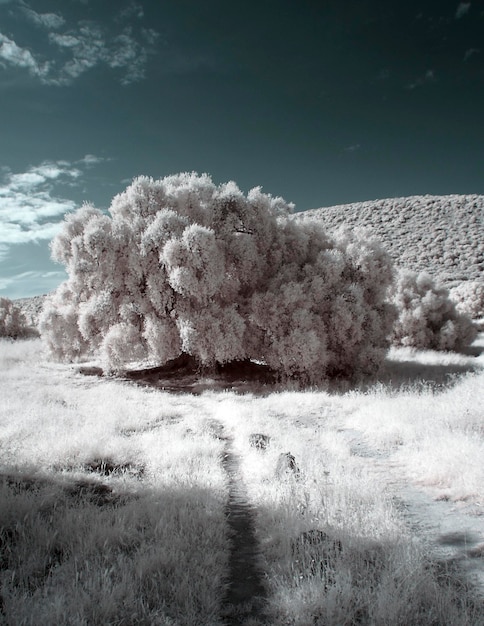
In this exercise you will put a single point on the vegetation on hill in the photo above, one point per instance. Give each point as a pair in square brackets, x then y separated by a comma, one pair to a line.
[442, 235]
[13, 323]
[31, 308]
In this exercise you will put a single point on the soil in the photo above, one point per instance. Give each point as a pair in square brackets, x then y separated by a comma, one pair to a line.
[245, 598]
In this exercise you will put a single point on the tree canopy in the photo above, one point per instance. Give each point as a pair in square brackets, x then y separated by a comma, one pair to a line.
[183, 266]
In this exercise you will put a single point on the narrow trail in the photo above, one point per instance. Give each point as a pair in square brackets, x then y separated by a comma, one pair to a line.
[245, 599]
[244, 602]
[454, 531]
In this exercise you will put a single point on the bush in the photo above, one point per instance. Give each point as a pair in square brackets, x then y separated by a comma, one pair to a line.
[13, 323]
[184, 266]
[427, 317]
[469, 298]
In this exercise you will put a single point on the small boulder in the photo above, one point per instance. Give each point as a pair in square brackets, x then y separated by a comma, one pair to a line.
[286, 464]
[259, 441]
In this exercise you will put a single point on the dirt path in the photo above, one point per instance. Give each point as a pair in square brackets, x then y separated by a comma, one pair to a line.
[245, 599]
[453, 531]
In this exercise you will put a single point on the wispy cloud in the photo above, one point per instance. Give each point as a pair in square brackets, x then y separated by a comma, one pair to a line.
[470, 53]
[13, 55]
[30, 208]
[26, 284]
[353, 148]
[76, 49]
[46, 20]
[462, 9]
[428, 77]
[133, 10]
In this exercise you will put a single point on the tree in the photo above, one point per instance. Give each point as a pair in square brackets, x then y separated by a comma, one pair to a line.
[469, 298]
[182, 266]
[13, 323]
[427, 317]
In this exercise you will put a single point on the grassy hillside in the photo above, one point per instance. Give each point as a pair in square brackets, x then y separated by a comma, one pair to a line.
[443, 235]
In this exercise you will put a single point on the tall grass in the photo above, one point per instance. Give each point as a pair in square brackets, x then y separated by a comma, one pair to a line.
[336, 546]
[112, 497]
[112, 501]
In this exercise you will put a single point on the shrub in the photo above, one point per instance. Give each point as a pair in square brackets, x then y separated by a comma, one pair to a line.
[181, 265]
[13, 323]
[427, 317]
[469, 298]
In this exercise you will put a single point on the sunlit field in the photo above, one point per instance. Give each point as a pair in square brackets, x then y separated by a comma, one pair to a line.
[113, 497]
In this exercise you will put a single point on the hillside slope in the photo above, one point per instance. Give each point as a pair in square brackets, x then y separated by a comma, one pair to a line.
[443, 235]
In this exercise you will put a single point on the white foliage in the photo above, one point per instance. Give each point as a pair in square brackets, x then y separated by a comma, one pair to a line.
[427, 317]
[469, 298]
[13, 322]
[122, 343]
[59, 325]
[184, 266]
[162, 338]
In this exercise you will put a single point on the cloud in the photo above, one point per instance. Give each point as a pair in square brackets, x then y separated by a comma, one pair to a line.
[462, 9]
[31, 283]
[133, 10]
[14, 55]
[353, 148]
[73, 51]
[470, 53]
[428, 77]
[30, 210]
[46, 20]
[88, 47]
[91, 159]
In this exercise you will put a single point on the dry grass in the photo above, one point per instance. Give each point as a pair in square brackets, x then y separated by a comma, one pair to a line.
[113, 496]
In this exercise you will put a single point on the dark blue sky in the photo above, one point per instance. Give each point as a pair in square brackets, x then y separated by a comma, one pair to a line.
[322, 102]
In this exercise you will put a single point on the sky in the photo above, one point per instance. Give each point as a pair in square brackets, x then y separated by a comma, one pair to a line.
[322, 102]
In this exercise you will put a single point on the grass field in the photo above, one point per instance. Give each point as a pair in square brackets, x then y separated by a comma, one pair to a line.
[113, 497]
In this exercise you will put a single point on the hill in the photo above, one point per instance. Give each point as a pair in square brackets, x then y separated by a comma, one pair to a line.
[443, 235]
[31, 307]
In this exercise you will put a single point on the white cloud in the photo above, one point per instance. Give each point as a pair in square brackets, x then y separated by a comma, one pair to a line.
[14, 55]
[89, 48]
[30, 210]
[77, 49]
[27, 284]
[428, 77]
[46, 20]
[91, 159]
[462, 9]
[133, 10]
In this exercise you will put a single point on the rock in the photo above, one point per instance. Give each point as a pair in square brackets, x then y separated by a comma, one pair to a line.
[259, 441]
[286, 464]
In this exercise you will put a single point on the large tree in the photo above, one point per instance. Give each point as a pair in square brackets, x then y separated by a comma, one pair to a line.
[181, 265]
